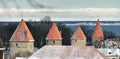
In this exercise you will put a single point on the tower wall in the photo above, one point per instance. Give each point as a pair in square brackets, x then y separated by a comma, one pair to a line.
[21, 47]
[53, 42]
[78, 42]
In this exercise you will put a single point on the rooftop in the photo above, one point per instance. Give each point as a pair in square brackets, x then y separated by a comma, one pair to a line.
[67, 52]
[22, 33]
[54, 33]
[78, 34]
[98, 32]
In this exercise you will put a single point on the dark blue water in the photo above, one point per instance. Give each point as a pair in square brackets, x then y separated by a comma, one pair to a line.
[113, 26]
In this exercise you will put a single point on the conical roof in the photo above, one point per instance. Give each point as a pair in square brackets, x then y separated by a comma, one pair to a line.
[22, 33]
[98, 32]
[54, 33]
[78, 34]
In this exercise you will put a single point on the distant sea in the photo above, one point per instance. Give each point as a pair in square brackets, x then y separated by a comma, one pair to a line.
[113, 26]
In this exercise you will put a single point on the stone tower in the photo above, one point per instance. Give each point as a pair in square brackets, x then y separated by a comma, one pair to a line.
[78, 38]
[98, 35]
[21, 42]
[54, 36]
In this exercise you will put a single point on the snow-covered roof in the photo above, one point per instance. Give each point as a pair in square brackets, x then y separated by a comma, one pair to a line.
[110, 52]
[20, 58]
[67, 52]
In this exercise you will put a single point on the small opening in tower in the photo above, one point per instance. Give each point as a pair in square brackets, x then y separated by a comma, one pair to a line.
[16, 44]
[46, 41]
[53, 42]
[75, 40]
[25, 33]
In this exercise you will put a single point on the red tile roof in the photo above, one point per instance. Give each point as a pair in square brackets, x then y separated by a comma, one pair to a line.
[22, 33]
[78, 34]
[54, 33]
[98, 32]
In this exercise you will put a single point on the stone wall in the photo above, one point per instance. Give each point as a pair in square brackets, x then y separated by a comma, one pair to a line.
[53, 42]
[78, 42]
[20, 47]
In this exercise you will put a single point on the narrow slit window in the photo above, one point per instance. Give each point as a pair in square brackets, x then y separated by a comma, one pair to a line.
[53, 42]
[16, 44]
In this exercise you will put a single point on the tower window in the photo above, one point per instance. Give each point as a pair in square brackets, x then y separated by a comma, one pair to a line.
[75, 40]
[46, 41]
[31, 45]
[16, 44]
[53, 42]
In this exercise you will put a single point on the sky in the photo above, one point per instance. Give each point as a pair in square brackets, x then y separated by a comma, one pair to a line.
[60, 10]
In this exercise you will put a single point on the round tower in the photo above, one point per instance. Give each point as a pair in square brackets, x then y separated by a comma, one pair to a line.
[54, 36]
[21, 42]
[98, 35]
[78, 38]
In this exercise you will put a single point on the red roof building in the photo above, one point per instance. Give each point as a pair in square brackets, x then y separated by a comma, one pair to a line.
[78, 34]
[22, 33]
[98, 32]
[54, 33]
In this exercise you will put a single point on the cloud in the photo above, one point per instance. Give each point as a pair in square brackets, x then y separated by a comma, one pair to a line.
[85, 14]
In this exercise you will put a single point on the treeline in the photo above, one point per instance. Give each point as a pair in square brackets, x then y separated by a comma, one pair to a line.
[40, 30]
